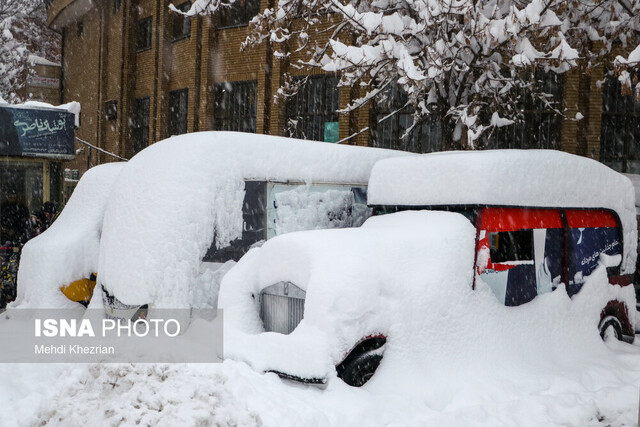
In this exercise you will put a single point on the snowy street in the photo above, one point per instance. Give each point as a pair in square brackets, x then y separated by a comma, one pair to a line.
[599, 393]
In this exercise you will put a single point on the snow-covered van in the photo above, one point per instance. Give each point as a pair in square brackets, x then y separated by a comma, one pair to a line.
[162, 228]
[468, 253]
[184, 209]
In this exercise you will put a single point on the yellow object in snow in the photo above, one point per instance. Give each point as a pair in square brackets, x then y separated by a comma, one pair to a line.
[80, 290]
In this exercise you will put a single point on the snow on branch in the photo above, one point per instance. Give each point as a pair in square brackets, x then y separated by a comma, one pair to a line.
[468, 63]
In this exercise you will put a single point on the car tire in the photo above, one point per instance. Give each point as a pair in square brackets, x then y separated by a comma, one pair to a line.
[610, 327]
[361, 368]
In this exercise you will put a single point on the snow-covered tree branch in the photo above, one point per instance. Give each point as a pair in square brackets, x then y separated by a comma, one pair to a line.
[23, 32]
[469, 63]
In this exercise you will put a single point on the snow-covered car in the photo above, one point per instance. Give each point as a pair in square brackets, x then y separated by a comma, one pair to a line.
[55, 266]
[184, 209]
[468, 254]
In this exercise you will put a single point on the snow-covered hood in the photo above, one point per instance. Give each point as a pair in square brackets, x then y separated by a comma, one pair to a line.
[357, 284]
[407, 276]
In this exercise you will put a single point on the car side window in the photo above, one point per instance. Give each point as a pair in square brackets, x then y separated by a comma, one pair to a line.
[254, 225]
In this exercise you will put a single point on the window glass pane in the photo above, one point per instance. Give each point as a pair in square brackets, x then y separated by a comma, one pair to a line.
[519, 264]
[387, 133]
[178, 110]
[585, 246]
[235, 106]
[140, 131]
[143, 34]
[620, 132]
[181, 24]
[313, 108]
[311, 207]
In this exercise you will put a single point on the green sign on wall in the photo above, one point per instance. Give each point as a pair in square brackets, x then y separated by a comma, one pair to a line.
[331, 132]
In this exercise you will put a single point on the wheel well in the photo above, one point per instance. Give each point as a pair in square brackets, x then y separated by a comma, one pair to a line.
[365, 345]
[618, 310]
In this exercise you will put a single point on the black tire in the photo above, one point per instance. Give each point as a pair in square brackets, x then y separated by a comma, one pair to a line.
[357, 371]
[610, 327]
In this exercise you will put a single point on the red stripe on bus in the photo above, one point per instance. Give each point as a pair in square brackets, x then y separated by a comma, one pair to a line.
[590, 218]
[512, 219]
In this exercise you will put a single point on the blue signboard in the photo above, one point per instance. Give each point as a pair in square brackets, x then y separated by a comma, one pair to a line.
[36, 132]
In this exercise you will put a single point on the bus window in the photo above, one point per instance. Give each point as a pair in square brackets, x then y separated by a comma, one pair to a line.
[524, 251]
[591, 233]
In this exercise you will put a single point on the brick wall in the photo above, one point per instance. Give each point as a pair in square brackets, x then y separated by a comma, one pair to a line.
[103, 65]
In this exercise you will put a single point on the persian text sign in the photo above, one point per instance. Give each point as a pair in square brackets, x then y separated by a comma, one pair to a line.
[36, 132]
[88, 336]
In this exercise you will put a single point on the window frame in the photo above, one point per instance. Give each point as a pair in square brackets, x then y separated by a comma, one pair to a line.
[143, 127]
[144, 24]
[183, 31]
[302, 106]
[234, 116]
[176, 118]
[538, 218]
[238, 14]
[536, 120]
[395, 99]
[619, 113]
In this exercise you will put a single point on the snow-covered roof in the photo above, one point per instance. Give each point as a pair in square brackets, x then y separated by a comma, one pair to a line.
[68, 250]
[173, 196]
[531, 178]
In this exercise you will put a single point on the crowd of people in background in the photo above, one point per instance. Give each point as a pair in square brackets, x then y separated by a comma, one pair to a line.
[17, 225]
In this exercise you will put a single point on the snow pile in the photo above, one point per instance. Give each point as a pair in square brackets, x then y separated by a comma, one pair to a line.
[173, 198]
[232, 394]
[531, 178]
[72, 107]
[68, 250]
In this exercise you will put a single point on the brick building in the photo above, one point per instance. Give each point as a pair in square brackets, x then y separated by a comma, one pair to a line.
[143, 73]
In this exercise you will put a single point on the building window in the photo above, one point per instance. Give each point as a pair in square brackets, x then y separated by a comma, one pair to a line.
[140, 132]
[540, 124]
[143, 34]
[620, 129]
[116, 6]
[111, 110]
[312, 112]
[181, 25]
[239, 13]
[387, 129]
[235, 106]
[178, 108]
[80, 29]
